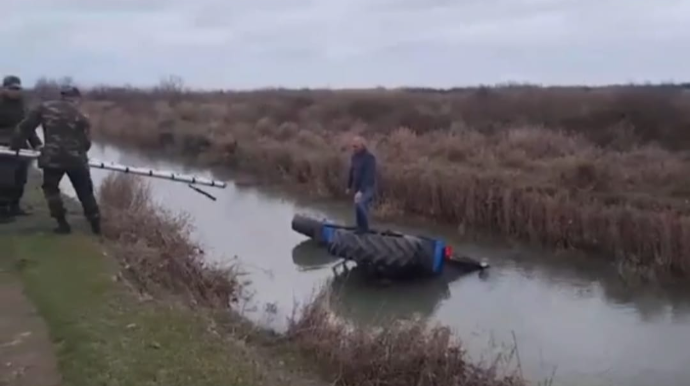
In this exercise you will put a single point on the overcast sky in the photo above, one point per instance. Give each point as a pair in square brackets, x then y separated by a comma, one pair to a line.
[346, 43]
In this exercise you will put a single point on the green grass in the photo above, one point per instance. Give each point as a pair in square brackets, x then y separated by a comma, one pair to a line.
[105, 335]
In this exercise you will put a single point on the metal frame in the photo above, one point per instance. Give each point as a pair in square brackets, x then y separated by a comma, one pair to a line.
[33, 154]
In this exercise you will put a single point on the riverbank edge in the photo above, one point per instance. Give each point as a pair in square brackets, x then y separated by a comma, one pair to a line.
[252, 351]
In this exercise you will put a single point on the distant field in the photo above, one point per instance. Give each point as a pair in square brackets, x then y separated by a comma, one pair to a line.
[596, 169]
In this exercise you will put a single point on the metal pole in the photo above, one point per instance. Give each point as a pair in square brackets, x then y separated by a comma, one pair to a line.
[33, 154]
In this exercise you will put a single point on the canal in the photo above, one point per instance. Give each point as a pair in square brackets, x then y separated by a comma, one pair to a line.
[570, 316]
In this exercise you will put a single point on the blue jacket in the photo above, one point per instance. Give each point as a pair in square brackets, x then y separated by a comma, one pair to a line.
[362, 174]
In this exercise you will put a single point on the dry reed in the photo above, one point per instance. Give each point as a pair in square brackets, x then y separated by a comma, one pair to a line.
[594, 169]
[401, 353]
[155, 247]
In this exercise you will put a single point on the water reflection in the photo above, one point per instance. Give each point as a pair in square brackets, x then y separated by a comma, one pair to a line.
[359, 299]
[308, 255]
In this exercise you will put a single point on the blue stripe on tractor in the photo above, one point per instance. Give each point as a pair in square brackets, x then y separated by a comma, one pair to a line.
[327, 234]
[438, 255]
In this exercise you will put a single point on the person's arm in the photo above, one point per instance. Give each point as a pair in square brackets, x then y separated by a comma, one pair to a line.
[86, 127]
[34, 141]
[27, 128]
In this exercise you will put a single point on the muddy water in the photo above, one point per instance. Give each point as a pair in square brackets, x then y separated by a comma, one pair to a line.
[570, 316]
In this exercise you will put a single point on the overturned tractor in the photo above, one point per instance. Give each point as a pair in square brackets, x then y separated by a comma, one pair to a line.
[384, 253]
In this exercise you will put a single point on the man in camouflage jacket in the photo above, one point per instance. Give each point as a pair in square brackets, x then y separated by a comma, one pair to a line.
[66, 131]
[14, 171]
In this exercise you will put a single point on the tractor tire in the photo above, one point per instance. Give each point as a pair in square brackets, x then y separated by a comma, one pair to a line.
[306, 226]
[386, 256]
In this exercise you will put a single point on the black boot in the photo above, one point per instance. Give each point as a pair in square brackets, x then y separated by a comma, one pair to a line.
[95, 225]
[5, 215]
[16, 210]
[63, 227]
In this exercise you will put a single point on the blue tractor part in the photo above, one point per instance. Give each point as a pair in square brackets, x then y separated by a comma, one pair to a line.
[384, 253]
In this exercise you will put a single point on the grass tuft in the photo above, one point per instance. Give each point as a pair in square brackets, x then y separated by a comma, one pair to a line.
[401, 353]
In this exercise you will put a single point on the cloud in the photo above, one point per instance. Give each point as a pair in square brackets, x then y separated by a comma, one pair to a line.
[347, 43]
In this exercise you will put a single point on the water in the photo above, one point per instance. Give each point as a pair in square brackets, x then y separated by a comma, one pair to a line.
[568, 315]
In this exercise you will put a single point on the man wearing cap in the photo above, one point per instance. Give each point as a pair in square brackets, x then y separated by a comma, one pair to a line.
[14, 171]
[67, 134]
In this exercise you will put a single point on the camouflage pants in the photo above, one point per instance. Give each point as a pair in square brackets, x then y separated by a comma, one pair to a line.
[80, 177]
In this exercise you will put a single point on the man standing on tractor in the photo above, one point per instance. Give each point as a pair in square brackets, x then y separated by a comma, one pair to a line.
[362, 180]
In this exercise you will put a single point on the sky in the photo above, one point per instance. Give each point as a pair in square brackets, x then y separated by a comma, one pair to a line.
[249, 44]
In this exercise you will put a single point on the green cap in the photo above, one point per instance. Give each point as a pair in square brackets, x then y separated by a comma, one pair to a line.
[12, 82]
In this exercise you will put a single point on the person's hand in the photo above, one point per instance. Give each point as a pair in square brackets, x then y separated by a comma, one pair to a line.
[358, 197]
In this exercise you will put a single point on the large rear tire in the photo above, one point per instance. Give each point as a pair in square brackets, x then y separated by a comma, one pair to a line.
[388, 256]
[306, 226]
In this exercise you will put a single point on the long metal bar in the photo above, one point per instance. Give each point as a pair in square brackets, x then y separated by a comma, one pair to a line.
[33, 154]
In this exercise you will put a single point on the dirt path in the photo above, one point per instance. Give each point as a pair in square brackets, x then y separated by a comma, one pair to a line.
[26, 353]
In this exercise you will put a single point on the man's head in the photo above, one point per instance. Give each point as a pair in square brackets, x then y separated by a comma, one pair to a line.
[12, 87]
[358, 144]
[70, 93]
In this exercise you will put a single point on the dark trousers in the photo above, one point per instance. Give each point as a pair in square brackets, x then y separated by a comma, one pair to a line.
[9, 173]
[20, 178]
[80, 177]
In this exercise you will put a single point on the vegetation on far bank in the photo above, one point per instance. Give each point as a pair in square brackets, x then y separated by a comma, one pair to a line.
[143, 308]
[594, 169]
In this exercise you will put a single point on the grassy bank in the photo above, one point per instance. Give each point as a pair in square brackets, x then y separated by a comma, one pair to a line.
[117, 320]
[140, 307]
[106, 335]
[594, 169]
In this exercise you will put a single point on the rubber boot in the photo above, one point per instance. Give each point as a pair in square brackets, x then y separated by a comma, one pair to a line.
[5, 216]
[16, 210]
[95, 225]
[63, 227]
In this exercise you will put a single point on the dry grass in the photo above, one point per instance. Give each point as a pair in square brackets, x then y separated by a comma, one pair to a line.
[155, 247]
[595, 169]
[402, 353]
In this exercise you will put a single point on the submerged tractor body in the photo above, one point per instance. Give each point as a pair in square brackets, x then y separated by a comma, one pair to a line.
[383, 253]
